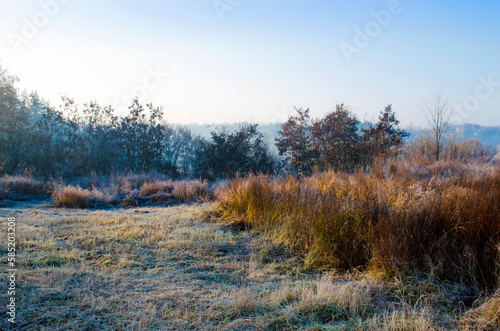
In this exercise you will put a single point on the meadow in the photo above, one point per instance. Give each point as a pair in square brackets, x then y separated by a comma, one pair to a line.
[402, 247]
[194, 166]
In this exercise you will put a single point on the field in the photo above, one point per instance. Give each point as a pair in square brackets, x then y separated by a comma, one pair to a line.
[249, 165]
[175, 268]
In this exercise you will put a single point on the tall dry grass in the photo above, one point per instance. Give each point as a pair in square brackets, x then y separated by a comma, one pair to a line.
[23, 185]
[484, 317]
[156, 187]
[442, 224]
[130, 190]
[191, 190]
[71, 196]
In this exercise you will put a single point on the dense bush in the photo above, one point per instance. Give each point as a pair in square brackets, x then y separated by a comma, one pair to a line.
[338, 141]
[228, 153]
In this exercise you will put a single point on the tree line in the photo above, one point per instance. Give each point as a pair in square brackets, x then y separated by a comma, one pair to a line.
[73, 140]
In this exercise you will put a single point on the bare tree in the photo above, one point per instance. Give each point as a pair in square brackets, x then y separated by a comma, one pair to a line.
[437, 113]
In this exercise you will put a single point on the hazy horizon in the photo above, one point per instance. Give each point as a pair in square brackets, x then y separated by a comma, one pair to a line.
[219, 61]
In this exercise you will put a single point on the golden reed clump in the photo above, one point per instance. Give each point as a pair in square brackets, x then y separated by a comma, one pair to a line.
[436, 221]
[71, 196]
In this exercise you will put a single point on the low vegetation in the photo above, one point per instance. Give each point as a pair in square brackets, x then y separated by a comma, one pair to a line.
[21, 188]
[72, 196]
[387, 221]
[23, 185]
[107, 191]
[151, 268]
[130, 191]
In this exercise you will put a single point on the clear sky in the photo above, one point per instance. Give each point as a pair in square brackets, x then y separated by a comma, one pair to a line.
[253, 60]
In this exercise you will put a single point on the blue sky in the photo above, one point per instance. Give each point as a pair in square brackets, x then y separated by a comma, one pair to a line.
[253, 60]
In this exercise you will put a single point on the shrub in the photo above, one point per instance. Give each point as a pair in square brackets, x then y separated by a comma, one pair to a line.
[156, 187]
[230, 152]
[190, 190]
[422, 150]
[338, 141]
[22, 184]
[112, 192]
[129, 201]
[71, 196]
[129, 183]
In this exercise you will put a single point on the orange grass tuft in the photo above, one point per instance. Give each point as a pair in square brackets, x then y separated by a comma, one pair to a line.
[71, 196]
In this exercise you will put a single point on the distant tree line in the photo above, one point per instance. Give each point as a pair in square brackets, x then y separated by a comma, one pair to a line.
[73, 140]
[80, 140]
